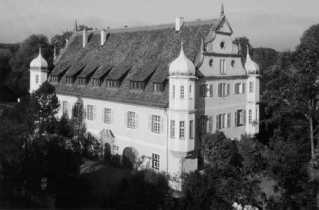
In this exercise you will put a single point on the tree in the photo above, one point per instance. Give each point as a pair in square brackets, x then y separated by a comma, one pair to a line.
[28, 50]
[219, 151]
[59, 40]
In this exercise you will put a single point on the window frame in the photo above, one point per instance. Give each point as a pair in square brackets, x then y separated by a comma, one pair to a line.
[107, 115]
[181, 129]
[156, 124]
[155, 161]
[131, 120]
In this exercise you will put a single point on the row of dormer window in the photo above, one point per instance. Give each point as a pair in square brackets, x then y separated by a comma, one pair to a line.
[135, 85]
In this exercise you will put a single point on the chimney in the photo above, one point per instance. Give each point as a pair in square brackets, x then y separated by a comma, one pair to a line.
[178, 23]
[84, 38]
[103, 37]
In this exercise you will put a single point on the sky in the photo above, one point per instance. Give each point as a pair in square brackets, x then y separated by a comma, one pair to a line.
[277, 24]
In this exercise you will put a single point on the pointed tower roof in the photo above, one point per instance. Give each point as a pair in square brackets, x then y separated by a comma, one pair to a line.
[182, 65]
[251, 66]
[39, 61]
[222, 10]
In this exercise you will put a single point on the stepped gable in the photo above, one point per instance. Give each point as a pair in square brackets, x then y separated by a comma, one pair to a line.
[129, 54]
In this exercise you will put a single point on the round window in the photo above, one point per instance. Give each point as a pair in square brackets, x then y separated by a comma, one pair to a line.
[211, 62]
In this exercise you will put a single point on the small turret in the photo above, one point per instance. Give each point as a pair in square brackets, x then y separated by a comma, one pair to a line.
[182, 65]
[251, 66]
[39, 62]
[38, 72]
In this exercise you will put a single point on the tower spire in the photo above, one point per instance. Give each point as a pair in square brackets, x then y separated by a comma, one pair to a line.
[222, 11]
[40, 53]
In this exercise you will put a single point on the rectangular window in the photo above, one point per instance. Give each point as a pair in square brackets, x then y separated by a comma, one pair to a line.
[240, 117]
[36, 79]
[156, 123]
[203, 123]
[155, 161]
[65, 107]
[250, 116]
[251, 87]
[131, 120]
[210, 124]
[190, 92]
[182, 92]
[181, 129]
[228, 120]
[243, 87]
[223, 89]
[220, 121]
[173, 91]
[237, 88]
[203, 90]
[107, 115]
[89, 112]
[172, 129]
[191, 129]
[211, 90]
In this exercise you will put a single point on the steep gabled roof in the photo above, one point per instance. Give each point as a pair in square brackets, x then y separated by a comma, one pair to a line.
[133, 53]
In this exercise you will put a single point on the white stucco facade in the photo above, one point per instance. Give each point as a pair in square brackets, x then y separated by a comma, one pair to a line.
[225, 97]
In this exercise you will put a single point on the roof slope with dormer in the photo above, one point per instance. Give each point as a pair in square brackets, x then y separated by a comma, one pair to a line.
[129, 54]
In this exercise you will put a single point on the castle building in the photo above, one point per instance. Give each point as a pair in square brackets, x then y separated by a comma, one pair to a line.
[154, 91]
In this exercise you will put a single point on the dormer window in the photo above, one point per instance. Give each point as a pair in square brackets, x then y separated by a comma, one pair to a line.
[112, 83]
[53, 78]
[96, 82]
[82, 81]
[158, 87]
[137, 85]
[69, 80]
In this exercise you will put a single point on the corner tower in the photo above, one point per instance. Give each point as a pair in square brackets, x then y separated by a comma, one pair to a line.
[181, 116]
[38, 72]
[253, 96]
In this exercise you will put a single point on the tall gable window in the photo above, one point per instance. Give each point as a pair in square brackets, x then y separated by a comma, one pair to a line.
[223, 89]
[222, 67]
[131, 120]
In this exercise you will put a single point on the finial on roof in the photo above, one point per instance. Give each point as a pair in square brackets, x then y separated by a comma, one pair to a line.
[222, 11]
[40, 51]
[248, 54]
[182, 49]
[76, 26]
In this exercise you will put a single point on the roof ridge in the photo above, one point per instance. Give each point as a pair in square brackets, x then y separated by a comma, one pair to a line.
[153, 27]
